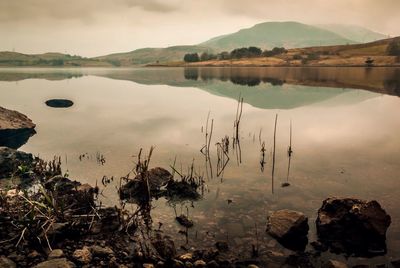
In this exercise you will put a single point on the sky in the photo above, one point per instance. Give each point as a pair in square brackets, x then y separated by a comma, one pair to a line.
[98, 27]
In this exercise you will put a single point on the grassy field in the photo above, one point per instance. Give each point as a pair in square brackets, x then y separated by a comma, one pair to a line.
[341, 55]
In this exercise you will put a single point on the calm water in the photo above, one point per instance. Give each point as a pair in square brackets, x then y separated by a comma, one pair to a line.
[345, 137]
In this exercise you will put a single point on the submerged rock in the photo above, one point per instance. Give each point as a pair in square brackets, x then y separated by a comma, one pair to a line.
[353, 226]
[184, 221]
[15, 128]
[156, 178]
[289, 227]
[59, 103]
[13, 161]
[164, 246]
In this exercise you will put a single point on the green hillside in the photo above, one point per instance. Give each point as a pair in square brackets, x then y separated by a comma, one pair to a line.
[353, 32]
[153, 55]
[278, 34]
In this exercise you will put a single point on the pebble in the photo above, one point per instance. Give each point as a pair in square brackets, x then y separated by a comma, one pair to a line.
[56, 253]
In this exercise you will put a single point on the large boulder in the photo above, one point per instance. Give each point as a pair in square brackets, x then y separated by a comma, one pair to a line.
[12, 160]
[353, 226]
[15, 128]
[289, 227]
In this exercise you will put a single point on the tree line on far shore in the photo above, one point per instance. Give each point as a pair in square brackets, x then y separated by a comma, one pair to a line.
[393, 49]
[238, 53]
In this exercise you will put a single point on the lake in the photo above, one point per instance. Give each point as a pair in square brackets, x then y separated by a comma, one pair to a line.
[345, 138]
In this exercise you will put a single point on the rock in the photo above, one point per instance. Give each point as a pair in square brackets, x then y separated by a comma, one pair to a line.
[353, 226]
[11, 159]
[157, 178]
[289, 227]
[252, 266]
[6, 263]
[148, 265]
[186, 257]
[59, 103]
[56, 263]
[83, 255]
[188, 264]
[182, 190]
[101, 251]
[199, 264]
[165, 246]
[55, 253]
[222, 246]
[184, 221]
[15, 128]
[334, 264]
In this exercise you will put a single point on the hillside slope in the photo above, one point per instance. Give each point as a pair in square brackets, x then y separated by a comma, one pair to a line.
[278, 34]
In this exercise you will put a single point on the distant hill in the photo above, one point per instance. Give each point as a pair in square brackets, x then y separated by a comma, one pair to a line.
[153, 55]
[278, 34]
[353, 32]
[8, 58]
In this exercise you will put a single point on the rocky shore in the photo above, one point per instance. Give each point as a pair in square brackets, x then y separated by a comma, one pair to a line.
[61, 224]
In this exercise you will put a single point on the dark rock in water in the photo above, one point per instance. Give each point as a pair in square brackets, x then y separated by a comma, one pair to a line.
[182, 190]
[184, 221]
[15, 128]
[290, 228]
[353, 226]
[12, 161]
[59, 103]
[156, 178]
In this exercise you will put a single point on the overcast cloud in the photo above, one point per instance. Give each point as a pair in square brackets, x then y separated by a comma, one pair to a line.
[96, 27]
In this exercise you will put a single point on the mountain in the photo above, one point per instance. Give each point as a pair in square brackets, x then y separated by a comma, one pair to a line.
[278, 34]
[153, 55]
[356, 33]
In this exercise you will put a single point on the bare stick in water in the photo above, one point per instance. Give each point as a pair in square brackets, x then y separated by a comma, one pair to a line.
[273, 153]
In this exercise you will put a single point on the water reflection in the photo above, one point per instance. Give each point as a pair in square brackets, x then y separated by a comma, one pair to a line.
[342, 138]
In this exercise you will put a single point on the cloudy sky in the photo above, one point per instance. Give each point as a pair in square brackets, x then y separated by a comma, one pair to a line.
[97, 27]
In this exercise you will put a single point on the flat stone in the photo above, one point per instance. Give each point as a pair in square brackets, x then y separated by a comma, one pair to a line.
[59, 103]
